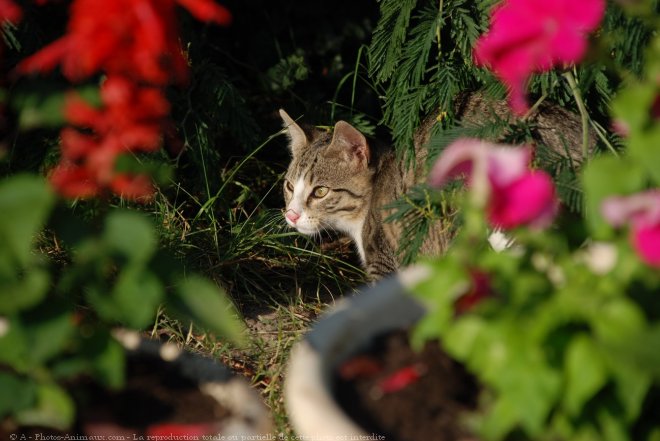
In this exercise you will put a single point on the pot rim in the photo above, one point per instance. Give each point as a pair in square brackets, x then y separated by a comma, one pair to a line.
[386, 306]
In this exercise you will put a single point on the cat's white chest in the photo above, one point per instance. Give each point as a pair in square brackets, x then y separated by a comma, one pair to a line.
[354, 230]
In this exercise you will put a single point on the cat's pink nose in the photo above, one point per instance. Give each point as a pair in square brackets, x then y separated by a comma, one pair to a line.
[292, 216]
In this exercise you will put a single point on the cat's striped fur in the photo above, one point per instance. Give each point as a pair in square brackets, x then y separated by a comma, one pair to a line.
[341, 182]
[354, 180]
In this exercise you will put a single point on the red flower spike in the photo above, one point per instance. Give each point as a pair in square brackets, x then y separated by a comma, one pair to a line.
[359, 367]
[80, 113]
[135, 38]
[400, 379]
[135, 44]
[76, 145]
[9, 12]
[74, 182]
[137, 188]
[207, 10]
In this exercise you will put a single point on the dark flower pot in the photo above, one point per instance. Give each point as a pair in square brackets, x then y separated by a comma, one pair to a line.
[343, 332]
[171, 392]
[168, 394]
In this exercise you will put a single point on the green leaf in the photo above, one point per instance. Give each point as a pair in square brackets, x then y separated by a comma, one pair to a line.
[130, 234]
[24, 292]
[513, 365]
[618, 321]
[645, 148]
[613, 427]
[25, 202]
[97, 355]
[137, 295]
[109, 364]
[132, 301]
[54, 408]
[47, 331]
[608, 176]
[461, 339]
[41, 104]
[634, 363]
[207, 305]
[17, 394]
[500, 420]
[586, 373]
[633, 103]
[13, 346]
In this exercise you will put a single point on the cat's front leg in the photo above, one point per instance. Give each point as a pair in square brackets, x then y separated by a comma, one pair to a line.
[381, 268]
[380, 257]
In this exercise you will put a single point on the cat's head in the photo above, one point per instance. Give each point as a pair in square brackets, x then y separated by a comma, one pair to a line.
[329, 182]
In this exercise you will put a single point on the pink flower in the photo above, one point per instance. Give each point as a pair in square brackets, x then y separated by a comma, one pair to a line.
[529, 36]
[642, 212]
[516, 195]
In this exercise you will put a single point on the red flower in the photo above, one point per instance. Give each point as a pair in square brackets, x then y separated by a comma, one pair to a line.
[515, 194]
[135, 43]
[130, 120]
[207, 10]
[134, 38]
[9, 12]
[73, 181]
[642, 212]
[528, 36]
[479, 290]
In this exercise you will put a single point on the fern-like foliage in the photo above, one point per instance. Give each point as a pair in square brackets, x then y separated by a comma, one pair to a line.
[416, 212]
[389, 37]
[421, 55]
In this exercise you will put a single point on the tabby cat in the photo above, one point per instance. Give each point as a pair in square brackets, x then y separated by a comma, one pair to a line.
[339, 181]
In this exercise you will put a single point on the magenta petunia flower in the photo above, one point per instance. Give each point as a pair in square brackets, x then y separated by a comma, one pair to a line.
[529, 36]
[515, 196]
[642, 212]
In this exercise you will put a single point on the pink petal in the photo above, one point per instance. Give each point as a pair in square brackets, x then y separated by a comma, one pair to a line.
[528, 36]
[642, 208]
[646, 241]
[507, 164]
[568, 47]
[588, 12]
[504, 164]
[456, 160]
[529, 200]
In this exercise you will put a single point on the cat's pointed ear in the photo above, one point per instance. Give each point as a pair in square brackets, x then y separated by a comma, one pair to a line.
[297, 137]
[352, 143]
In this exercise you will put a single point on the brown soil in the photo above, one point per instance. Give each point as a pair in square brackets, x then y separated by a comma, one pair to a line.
[155, 393]
[156, 396]
[429, 408]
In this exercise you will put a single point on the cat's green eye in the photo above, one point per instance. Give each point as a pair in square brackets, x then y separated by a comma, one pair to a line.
[320, 192]
[289, 186]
